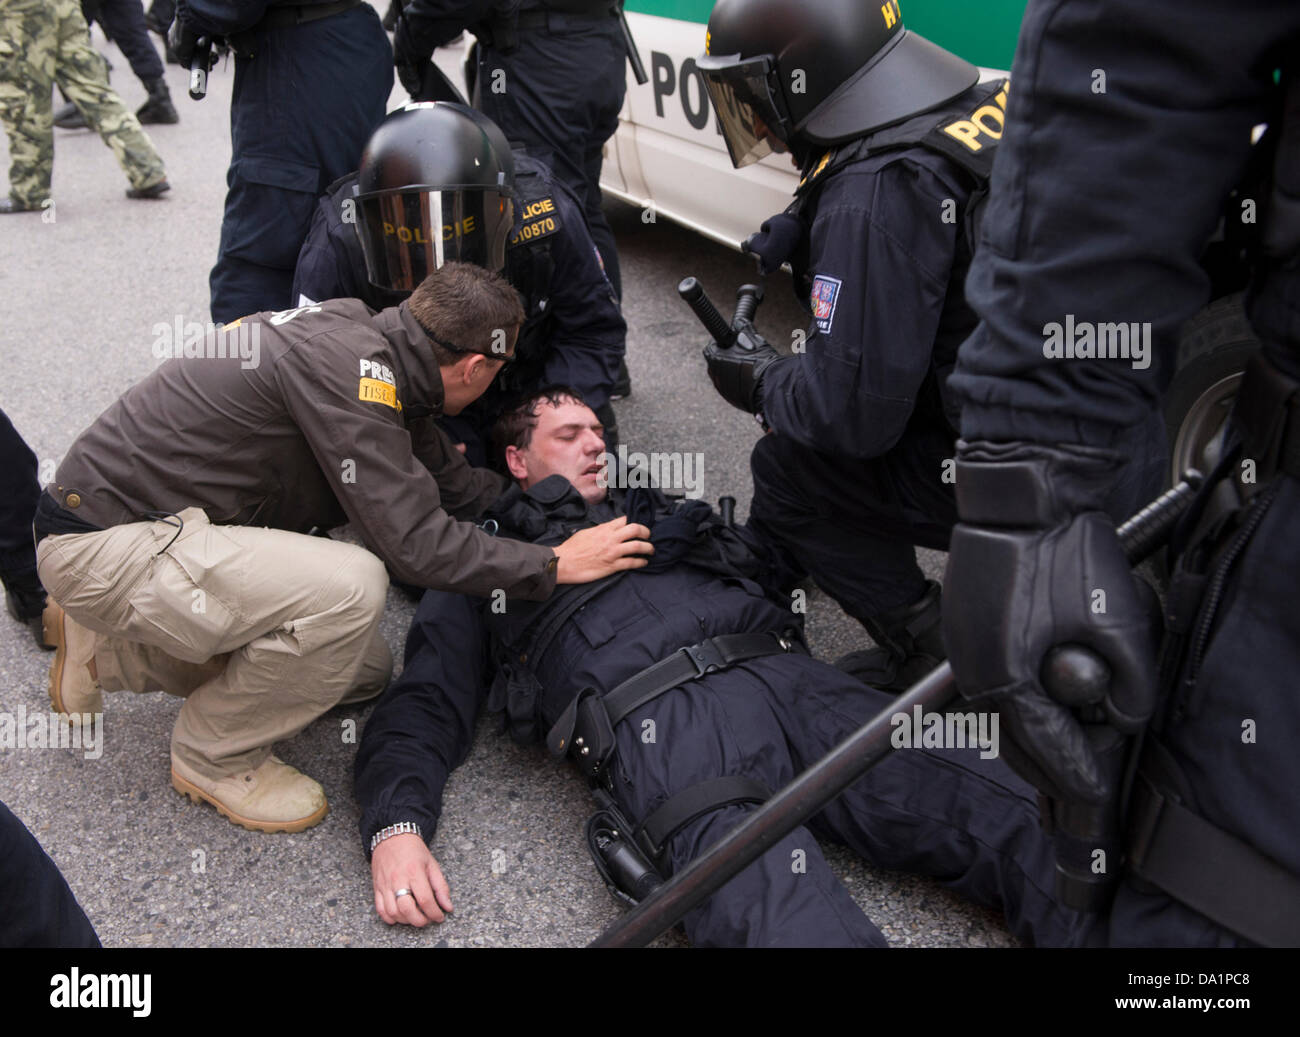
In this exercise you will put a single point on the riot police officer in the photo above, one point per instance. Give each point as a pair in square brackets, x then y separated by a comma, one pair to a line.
[550, 73]
[289, 140]
[1053, 442]
[574, 333]
[863, 426]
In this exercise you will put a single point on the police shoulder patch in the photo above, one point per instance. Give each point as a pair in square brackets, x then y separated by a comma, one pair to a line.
[972, 139]
[541, 219]
[825, 293]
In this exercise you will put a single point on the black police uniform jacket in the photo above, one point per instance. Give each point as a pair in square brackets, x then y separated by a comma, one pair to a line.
[704, 579]
[880, 264]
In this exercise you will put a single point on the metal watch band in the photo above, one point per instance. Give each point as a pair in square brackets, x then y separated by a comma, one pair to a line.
[401, 828]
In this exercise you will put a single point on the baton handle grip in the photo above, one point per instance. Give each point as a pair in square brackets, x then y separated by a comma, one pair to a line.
[693, 294]
[747, 299]
[200, 66]
[1078, 676]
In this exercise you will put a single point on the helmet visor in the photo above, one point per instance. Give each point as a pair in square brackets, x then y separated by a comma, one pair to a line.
[406, 235]
[750, 108]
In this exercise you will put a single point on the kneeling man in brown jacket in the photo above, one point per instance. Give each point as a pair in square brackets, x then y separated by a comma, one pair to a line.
[174, 540]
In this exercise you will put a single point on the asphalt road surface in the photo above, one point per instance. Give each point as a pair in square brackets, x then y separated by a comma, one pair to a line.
[82, 288]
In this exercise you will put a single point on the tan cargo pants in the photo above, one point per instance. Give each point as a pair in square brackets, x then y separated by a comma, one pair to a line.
[260, 630]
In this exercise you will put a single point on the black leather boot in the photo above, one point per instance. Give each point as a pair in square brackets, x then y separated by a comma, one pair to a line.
[159, 108]
[25, 600]
[909, 645]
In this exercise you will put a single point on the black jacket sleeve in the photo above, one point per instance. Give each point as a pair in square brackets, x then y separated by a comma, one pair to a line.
[432, 23]
[324, 269]
[589, 336]
[881, 258]
[423, 725]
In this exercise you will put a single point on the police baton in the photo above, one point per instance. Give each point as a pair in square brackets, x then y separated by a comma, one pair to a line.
[633, 55]
[843, 765]
[200, 66]
[435, 86]
[748, 298]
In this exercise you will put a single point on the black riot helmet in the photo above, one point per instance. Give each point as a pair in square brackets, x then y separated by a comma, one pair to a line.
[786, 73]
[436, 184]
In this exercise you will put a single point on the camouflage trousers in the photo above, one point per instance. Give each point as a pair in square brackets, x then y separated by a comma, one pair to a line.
[43, 42]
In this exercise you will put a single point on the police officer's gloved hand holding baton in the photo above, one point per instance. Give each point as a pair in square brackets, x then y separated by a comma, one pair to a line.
[1035, 565]
[182, 39]
[738, 354]
[737, 371]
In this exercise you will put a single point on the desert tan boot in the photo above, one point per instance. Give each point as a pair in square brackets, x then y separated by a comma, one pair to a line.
[72, 688]
[271, 798]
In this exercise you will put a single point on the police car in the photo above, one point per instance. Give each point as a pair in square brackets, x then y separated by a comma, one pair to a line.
[668, 158]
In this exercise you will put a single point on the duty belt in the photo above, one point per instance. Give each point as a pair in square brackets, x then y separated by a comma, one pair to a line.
[503, 33]
[285, 17]
[586, 727]
[278, 17]
[528, 21]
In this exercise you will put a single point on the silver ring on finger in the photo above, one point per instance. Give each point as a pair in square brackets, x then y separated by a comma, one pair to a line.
[402, 893]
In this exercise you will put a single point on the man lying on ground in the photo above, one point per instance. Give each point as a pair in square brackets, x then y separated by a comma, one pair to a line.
[686, 740]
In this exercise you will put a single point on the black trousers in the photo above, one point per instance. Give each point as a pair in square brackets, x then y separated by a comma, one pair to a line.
[852, 524]
[533, 95]
[19, 493]
[952, 814]
[288, 144]
[123, 22]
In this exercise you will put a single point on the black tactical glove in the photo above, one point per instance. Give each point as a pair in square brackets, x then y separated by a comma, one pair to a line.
[737, 371]
[1033, 564]
[182, 39]
[407, 59]
[775, 242]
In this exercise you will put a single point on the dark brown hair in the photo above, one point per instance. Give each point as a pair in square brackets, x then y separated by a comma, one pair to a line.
[514, 427]
[461, 307]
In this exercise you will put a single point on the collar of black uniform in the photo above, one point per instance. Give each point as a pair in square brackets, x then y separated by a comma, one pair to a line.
[554, 498]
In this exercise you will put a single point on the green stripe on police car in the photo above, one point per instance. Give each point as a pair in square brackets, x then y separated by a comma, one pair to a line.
[983, 33]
